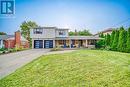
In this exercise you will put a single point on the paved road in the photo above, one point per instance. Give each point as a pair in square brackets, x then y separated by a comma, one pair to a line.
[10, 62]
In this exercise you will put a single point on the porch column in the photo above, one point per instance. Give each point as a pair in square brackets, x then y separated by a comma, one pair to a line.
[70, 43]
[43, 43]
[54, 43]
[86, 43]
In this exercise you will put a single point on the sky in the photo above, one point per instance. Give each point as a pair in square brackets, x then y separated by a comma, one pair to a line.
[94, 15]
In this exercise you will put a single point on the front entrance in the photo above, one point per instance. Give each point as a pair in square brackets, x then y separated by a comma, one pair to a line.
[48, 43]
[38, 43]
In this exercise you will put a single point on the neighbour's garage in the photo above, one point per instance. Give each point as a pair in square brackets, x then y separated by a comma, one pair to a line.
[48, 43]
[38, 43]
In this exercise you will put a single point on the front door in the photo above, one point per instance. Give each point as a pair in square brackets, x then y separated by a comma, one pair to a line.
[38, 43]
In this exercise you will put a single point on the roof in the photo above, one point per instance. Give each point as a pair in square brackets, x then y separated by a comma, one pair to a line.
[104, 31]
[107, 30]
[51, 28]
[84, 37]
[4, 37]
[79, 38]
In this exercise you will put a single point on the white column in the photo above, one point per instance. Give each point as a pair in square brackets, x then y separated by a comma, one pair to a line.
[70, 43]
[86, 43]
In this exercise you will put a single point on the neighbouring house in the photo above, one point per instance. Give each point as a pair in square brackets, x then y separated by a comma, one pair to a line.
[11, 41]
[105, 32]
[50, 37]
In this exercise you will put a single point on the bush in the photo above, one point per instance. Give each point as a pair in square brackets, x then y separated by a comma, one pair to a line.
[56, 49]
[2, 49]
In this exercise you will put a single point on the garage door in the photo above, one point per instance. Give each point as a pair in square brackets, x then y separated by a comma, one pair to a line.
[38, 43]
[48, 43]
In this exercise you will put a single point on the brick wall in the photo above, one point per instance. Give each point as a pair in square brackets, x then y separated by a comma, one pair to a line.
[9, 43]
[17, 38]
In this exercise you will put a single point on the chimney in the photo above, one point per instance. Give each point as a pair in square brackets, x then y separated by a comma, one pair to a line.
[17, 38]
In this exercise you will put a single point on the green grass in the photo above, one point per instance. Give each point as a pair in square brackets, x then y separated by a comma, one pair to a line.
[82, 68]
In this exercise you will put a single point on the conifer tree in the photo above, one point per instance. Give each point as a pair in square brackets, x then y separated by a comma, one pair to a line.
[115, 40]
[112, 37]
[122, 41]
[107, 40]
[128, 41]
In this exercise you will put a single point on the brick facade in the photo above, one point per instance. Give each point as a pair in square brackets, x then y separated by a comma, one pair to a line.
[9, 43]
[17, 38]
[16, 41]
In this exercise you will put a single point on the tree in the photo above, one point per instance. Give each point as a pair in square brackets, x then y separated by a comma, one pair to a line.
[76, 33]
[101, 43]
[71, 33]
[128, 41]
[25, 29]
[112, 37]
[84, 33]
[3, 33]
[80, 33]
[107, 40]
[115, 40]
[122, 41]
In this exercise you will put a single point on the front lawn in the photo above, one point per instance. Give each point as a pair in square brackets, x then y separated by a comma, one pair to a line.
[82, 68]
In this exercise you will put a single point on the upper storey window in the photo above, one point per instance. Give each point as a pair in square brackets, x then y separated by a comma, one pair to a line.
[37, 31]
[61, 32]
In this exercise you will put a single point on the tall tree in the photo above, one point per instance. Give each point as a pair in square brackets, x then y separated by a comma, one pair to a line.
[112, 37]
[115, 41]
[25, 29]
[122, 41]
[128, 40]
[107, 40]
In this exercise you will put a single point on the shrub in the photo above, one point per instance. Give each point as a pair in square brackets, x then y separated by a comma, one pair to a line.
[56, 49]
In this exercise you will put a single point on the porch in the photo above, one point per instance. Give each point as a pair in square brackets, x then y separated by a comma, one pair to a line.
[75, 43]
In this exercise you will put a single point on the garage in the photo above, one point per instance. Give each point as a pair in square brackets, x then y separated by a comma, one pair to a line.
[38, 43]
[48, 43]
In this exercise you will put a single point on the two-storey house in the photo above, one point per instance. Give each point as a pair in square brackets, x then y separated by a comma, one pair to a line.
[50, 37]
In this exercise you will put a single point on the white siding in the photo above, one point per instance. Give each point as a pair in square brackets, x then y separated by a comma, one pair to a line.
[47, 33]
[65, 31]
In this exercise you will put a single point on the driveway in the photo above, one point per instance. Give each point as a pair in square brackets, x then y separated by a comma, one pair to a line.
[10, 62]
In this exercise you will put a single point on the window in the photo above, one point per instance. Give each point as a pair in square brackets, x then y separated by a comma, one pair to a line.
[61, 32]
[37, 31]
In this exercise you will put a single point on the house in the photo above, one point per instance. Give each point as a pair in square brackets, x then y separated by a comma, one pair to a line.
[105, 32]
[11, 41]
[50, 37]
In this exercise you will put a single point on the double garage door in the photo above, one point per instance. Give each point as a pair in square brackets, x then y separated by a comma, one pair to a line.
[39, 43]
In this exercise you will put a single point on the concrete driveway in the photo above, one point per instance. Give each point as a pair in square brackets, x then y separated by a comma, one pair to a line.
[10, 62]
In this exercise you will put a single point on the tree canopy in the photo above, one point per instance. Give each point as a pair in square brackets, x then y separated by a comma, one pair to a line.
[118, 40]
[25, 29]
[80, 33]
[3, 33]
